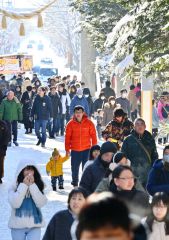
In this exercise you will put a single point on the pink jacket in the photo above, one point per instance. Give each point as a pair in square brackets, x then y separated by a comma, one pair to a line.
[159, 109]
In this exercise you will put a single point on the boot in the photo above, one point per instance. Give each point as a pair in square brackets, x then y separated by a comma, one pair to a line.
[61, 187]
[16, 143]
[54, 189]
[38, 143]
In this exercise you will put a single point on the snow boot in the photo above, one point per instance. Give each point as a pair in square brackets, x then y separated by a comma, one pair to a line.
[54, 189]
[16, 143]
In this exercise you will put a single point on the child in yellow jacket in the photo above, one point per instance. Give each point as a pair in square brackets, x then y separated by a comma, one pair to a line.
[55, 168]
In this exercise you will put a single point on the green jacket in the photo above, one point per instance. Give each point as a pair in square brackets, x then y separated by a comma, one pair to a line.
[10, 110]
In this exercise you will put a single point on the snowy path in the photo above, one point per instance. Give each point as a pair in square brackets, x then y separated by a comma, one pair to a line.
[28, 149]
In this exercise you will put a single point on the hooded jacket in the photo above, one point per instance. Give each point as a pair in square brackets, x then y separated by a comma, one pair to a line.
[55, 167]
[79, 101]
[158, 179]
[17, 194]
[80, 136]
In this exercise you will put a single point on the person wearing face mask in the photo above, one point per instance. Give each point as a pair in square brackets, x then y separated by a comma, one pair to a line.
[95, 172]
[79, 100]
[109, 110]
[124, 102]
[158, 179]
[99, 102]
[87, 94]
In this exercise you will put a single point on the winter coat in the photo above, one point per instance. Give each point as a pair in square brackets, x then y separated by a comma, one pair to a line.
[4, 137]
[55, 167]
[88, 163]
[10, 110]
[65, 100]
[158, 231]
[27, 102]
[42, 108]
[108, 92]
[133, 100]
[80, 136]
[90, 104]
[138, 201]
[17, 194]
[160, 107]
[92, 175]
[158, 179]
[155, 118]
[125, 104]
[56, 105]
[118, 130]
[108, 114]
[18, 95]
[79, 101]
[59, 226]
[140, 161]
[98, 104]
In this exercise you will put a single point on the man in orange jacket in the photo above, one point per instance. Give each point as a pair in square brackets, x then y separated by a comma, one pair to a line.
[80, 136]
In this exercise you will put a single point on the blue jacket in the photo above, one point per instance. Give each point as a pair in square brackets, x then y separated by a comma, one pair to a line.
[92, 175]
[158, 179]
[79, 101]
[42, 108]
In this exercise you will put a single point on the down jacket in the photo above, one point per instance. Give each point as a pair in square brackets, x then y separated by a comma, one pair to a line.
[17, 194]
[80, 136]
[158, 179]
[55, 167]
[79, 101]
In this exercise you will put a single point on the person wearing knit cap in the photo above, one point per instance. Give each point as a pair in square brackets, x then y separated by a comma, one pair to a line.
[79, 99]
[97, 170]
[55, 168]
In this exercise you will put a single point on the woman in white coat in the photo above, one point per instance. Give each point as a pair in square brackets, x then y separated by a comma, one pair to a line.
[26, 197]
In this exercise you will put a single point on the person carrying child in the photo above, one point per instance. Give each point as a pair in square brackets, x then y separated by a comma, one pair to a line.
[55, 168]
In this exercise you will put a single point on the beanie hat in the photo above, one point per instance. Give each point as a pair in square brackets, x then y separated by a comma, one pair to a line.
[79, 91]
[86, 91]
[92, 149]
[55, 152]
[108, 147]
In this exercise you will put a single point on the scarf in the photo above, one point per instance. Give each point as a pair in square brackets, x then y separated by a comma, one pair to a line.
[28, 209]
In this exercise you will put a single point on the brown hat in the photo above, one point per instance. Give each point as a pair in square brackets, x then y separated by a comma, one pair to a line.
[55, 152]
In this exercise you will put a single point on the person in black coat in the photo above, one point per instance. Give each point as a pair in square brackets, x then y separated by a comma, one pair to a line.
[95, 172]
[87, 94]
[27, 101]
[99, 102]
[59, 228]
[4, 139]
[57, 112]
[42, 112]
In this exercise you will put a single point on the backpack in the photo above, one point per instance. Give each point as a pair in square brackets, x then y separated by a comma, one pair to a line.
[165, 111]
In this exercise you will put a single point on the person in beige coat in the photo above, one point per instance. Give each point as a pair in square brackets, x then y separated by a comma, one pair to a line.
[133, 102]
[109, 110]
[25, 84]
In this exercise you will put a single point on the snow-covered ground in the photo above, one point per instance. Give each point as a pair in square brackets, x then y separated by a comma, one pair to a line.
[28, 149]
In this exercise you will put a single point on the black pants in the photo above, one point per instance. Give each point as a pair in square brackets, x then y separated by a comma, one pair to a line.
[13, 128]
[2, 166]
[60, 181]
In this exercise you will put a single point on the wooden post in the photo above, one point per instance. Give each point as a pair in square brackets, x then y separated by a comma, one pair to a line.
[146, 101]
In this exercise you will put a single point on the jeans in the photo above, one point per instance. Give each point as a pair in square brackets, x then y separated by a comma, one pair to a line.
[26, 234]
[54, 180]
[41, 124]
[13, 128]
[54, 126]
[76, 159]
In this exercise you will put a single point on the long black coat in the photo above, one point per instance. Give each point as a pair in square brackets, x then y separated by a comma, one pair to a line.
[4, 137]
[56, 105]
[27, 105]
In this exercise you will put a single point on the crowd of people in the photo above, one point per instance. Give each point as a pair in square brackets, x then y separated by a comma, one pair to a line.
[124, 187]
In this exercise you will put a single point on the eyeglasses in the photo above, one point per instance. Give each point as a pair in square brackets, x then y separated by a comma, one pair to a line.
[129, 178]
[160, 207]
